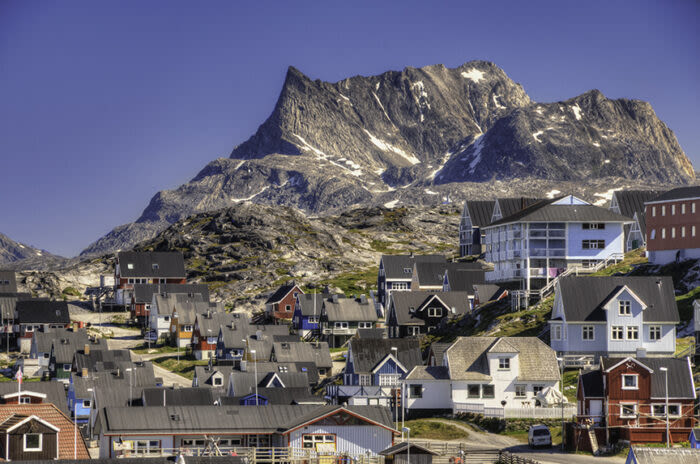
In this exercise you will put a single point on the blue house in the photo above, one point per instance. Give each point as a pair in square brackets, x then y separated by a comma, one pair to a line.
[307, 311]
[614, 316]
[694, 436]
[374, 369]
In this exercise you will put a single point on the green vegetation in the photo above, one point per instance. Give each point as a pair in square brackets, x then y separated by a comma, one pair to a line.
[184, 367]
[685, 304]
[631, 261]
[143, 349]
[434, 430]
[70, 291]
[354, 283]
[570, 380]
[683, 344]
[525, 323]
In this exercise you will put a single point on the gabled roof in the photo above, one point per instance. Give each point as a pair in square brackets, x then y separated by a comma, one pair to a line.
[632, 201]
[192, 396]
[8, 283]
[306, 302]
[584, 297]
[646, 455]
[438, 351]
[317, 353]
[209, 323]
[376, 333]
[55, 392]
[349, 309]
[204, 375]
[465, 280]
[42, 312]
[403, 448]
[489, 292]
[279, 294]
[680, 380]
[395, 266]
[297, 395]
[545, 211]
[49, 413]
[244, 382]
[102, 360]
[428, 373]
[143, 293]
[8, 303]
[64, 350]
[510, 206]
[159, 264]
[678, 194]
[44, 339]
[432, 274]
[367, 353]
[402, 302]
[467, 358]
[480, 212]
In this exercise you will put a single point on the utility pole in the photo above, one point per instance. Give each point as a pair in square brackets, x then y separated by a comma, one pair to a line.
[668, 438]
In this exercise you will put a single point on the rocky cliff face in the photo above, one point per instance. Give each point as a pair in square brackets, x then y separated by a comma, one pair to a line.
[16, 255]
[414, 137]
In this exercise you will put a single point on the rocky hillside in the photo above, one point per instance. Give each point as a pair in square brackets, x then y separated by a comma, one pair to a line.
[414, 137]
[16, 255]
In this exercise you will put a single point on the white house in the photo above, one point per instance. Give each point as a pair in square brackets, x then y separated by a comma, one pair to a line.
[485, 375]
[614, 316]
[536, 244]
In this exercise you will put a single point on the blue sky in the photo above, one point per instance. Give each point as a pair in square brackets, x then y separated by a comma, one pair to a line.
[102, 104]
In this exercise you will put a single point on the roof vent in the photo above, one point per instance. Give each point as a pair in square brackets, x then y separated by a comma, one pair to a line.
[335, 298]
[174, 417]
[285, 346]
[363, 299]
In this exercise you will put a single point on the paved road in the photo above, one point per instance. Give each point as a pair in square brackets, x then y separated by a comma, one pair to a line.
[555, 456]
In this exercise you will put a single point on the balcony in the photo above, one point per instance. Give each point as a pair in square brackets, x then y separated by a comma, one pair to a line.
[544, 252]
[506, 274]
[339, 331]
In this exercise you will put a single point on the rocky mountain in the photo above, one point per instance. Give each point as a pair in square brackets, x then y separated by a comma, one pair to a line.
[415, 137]
[16, 255]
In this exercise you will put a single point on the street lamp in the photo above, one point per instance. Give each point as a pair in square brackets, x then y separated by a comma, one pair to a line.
[394, 353]
[561, 400]
[407, 431]
[255, 367]
[665, 371]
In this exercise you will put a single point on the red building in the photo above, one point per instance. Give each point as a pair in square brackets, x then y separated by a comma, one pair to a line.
[146, 267]
[280, 305]
[673, 225]
[626, 400]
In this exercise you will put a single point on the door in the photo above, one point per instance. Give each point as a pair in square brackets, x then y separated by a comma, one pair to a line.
[595, 410]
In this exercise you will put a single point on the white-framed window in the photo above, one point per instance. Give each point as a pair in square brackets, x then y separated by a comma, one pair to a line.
[155, 266]
[624, 307]
[663, 232]
[32, 442]
[692, 230]
[630, 381]
[692, 208]
[654, 332]
[312, 319]
[130, 265]
[87, 403]
[365, 379]
[412, 330]
[659, 409]
[593, 244]
[364, 325]
[488, 391]
[474, 390]
[682, 208]
[617, 332]
[663, 210]
[520, 390]
[434, 312]
[25, 400]
[217, 381]
[536, 389]
[399, 286]
[66, 367]
[632, 332]
[628, 410]
[340, 325]
[504, 364]
[388, 380]
[653, 210]
[588, 332]
[653, 234]
[673, 232]
[287, 308]
[556, 332]
[682, 231]
[673, 210]
[674, 410]
[187, 328]
[283, 368]
[146, 446]
[311, 440]
[415, 391]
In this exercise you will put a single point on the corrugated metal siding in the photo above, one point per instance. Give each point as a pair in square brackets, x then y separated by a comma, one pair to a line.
[352, 439]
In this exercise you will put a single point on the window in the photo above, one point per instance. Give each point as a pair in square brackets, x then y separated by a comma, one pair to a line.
[632, 332]
[412, 331]
[130, 265]
[663, 232]
[692, 229]
[654, 332]
[311, 440]
[617, 333]
[66, 367]
[364, 325]
[416, 391]
[682, 231]
[556, 332]
[155, 266]
[365, 379]
[341, 325]
[474, 391]
[628, 410]
[399, 286]
[217, 381]
[488, 391]
[25, 400]
[407, 270]
[87, 403]
[594, 225]
[692, 208]
[673, 232]
[587, 332]
[520, 391]
[658, 409]
[683, 208]
[504, 364]
[653, 210]
[625, 307]
[388, 380]
[32, 441]
[593, 244]
[674, 410]
[630, 381]
[673, 210]
[434, 312]
[536, 389]
[187, 328]
[283, 368]
[312, 319]
[653, 234]
[187, 442]
[663, 210]
[287, 308]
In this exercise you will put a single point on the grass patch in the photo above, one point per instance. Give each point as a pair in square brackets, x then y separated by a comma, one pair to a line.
[355, 283]
[184, 367]
[143, 349]
[432, 430]
[683, 344]
[527, 322]
[631, 260]
[570, 380]
[685, 304]
[71, 291]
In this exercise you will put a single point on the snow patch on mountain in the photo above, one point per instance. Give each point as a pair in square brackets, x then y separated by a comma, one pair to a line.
[577, 112]
[473, 74]
[386, 146]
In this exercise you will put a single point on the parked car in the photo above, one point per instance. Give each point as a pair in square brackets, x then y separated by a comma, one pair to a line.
[539, 435]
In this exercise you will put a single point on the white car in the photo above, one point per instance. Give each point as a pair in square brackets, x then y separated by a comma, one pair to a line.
[539, 435]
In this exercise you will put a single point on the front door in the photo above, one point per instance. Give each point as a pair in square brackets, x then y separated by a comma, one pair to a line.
[596, 410]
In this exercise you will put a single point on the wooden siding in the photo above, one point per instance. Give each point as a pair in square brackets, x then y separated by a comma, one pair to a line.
[16, 443]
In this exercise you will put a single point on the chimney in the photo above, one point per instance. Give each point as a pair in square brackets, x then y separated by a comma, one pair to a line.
[411, 254]
[335, 298]
[363, 299]
[244, 365]
[84, 372]
[86, 349]
[75, 326]
[258, 334]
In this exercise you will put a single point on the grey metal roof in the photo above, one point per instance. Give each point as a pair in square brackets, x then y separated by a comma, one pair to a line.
[376, 333]
[488, 292]
[465, 280]
[209, 324]
[106, 382]
[279, 294]
[432, 274]
[480, 212]
[42, 312]
[155, 460]
[44, 339]
[143, 293]
[306, 302]
[403, 447]
[428, 373]
[408, 306]
[467, 358]
[192, 396]
[646, 455]
[8, 303]
[544, 211]
[395, 265]
[438, 350]
[510, 206]
[8, 283]
[349, 309]
[632, 201]
[367, 352]
[592, 383]
[244, 382]
[55, 392]
[680, 381]
[102, 360]
[64, 349]
[678, 194]
[584, 297]
[315, 352]
[169, 264]
[204, 374]
[297, 395]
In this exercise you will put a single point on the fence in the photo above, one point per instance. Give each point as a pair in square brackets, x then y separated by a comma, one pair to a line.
[504, 457]
[516, 413]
